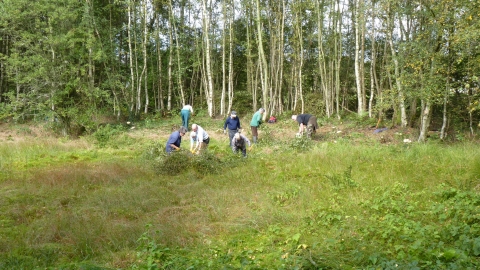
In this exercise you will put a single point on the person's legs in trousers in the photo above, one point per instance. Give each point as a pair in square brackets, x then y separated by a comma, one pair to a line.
[185, 118]
[254, 134]
[231, 133]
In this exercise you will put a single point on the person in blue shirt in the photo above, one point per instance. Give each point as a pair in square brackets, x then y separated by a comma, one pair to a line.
[175, 139]
[233, 125]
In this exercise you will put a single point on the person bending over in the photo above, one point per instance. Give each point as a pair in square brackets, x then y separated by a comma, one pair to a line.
[175, 139]
[239, 143]
[201, 138]
[307, 123]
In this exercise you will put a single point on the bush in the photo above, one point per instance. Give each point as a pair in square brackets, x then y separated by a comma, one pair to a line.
[172, 164]
[301, 143]
[106, 133]
[207, 163]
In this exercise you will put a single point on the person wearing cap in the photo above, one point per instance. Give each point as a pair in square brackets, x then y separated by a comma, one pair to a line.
[201, 138]
[233, 125]
[306, 122]
[185, 113]
[256, 122]
[239, 142]
[175, 139]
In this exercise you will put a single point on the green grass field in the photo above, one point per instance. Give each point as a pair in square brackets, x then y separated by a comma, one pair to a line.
[345, 200]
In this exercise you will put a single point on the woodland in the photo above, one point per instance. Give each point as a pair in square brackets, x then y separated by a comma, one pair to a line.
[401, 63]
[90, 91]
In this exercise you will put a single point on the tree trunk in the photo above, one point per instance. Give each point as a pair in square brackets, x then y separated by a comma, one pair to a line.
[401, 98]
[144, 49]
[263, 61]
[224, 75]
[443, 133]
[130, 56]
[209, 80]
[425, 120]
[177, 50]
[159, 60]
[230, 57]
[322, 70]
[359, 56]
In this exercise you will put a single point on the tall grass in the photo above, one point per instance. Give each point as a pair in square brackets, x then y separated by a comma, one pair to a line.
[331, 203]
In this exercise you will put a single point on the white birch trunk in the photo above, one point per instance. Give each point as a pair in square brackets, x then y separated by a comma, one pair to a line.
[424, 121]
[263, 61]
[209, 86]
[358, 74]
[230, 60]
[130, 51]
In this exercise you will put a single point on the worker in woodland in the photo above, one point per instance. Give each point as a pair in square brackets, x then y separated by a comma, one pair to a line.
[256, 122]
[199, 139]
[307, 123]
[239, 143]
[233, 125]
[185, 113]
[175, 139]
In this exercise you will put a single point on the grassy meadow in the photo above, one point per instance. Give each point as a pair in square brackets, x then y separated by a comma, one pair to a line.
[348, 199]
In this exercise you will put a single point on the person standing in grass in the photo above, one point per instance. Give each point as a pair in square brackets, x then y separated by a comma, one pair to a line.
[233, 125]
[175, 139]
[201, 138]
[256, 122]
[307, 123]
[185, 113]
[239, 142]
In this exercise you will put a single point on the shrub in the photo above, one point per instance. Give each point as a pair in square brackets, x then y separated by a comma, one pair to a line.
[172, 164]
[302, 143]
[106, 133]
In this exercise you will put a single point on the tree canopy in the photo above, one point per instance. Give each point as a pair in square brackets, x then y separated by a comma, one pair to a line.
[404, 63]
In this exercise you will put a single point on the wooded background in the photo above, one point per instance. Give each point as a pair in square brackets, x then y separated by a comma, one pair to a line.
[415, 63]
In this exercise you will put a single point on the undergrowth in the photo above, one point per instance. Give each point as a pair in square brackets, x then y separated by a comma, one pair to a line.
[328, 203]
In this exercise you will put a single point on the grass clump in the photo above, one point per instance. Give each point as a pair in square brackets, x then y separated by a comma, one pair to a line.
[182, 162]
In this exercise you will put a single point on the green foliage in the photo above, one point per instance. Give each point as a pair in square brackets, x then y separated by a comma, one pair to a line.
[340, 181]
[207, 163]
[182, 161]
[267, 137]
[314, 104]
[107, 134]
[172, 164]
[301, 144]
[151, 255]
[339, 205]
[413, 231]
[285, 197]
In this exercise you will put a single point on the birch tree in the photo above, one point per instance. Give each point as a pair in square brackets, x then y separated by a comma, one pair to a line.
[262, 59]
[399, 87]
[208, 69]
[359, 55]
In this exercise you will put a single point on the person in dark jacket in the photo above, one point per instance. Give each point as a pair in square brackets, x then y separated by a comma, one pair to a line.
[175, 140]
[232, 124]
[306, 123]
